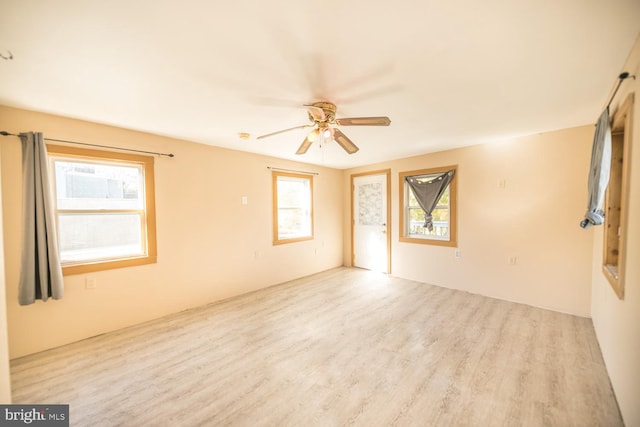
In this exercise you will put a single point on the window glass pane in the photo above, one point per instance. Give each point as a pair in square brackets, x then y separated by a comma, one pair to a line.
[293, 223]
[443, 216]
[412, 198]
[294, 207]
[293, 192]
[416, 222]
[86, 186]
[440, 223]
[416, 216]
[103, 214]
[440, 229]
[85, 237]
[444, 200]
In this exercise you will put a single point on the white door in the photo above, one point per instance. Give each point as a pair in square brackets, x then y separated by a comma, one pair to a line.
[370, 222]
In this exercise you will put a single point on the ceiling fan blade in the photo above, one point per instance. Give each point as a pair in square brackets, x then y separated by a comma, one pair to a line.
[313, 135]
[364, 121]
[344, 142]
[317, 113]
[281, 131]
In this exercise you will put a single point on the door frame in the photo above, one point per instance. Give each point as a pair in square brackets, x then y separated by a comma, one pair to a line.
[387, 173]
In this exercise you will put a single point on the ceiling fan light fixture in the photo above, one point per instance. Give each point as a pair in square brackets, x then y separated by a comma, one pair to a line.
[323, 118]
[313, 135]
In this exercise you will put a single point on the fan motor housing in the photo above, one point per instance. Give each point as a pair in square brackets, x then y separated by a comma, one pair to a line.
[329, 112]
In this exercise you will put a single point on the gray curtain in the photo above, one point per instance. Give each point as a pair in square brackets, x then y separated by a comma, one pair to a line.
[599, 171]
[428, 193]
[40, 273]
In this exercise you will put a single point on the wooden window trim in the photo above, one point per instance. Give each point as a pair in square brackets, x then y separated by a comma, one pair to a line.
[275, 175]
[149, 231]
[621, 130]
[453, 207]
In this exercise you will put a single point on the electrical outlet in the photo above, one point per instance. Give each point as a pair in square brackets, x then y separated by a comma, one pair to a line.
[457, 254]
[90, 283]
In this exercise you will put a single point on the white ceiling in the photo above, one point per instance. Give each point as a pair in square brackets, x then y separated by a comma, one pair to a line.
[447, 73]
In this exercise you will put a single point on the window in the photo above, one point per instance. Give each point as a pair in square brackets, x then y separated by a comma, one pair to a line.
[292, 207]
[104, 207]
[412, 216]
[615, 205]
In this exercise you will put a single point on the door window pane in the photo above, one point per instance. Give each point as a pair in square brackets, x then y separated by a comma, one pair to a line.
[370, 204]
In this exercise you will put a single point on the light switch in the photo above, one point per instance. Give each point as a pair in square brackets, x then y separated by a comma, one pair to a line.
[245, 200]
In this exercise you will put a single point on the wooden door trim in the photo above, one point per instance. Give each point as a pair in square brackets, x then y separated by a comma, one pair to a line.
[387, 173]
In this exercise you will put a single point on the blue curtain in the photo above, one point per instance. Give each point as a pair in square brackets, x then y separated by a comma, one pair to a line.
[40, 273]
[599, 171]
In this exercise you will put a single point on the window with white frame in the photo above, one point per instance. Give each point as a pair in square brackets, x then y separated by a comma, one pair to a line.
[104, 207]
[413, 216]
[292, 207]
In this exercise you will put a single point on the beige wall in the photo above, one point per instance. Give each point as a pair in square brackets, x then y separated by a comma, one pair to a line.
[210, 246]
[5, 382]
[534, 218]
[617, 322]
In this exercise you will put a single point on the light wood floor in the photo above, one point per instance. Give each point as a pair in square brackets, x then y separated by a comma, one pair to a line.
[343, 347]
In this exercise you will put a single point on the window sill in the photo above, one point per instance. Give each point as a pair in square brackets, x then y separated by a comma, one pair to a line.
[71, 270]
[292, 240]
[434, 242]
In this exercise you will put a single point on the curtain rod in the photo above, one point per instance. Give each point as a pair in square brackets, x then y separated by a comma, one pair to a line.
[4, 133]
[621, 78]
[291, 170]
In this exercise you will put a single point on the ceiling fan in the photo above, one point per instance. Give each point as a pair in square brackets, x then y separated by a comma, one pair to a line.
[323, 117]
